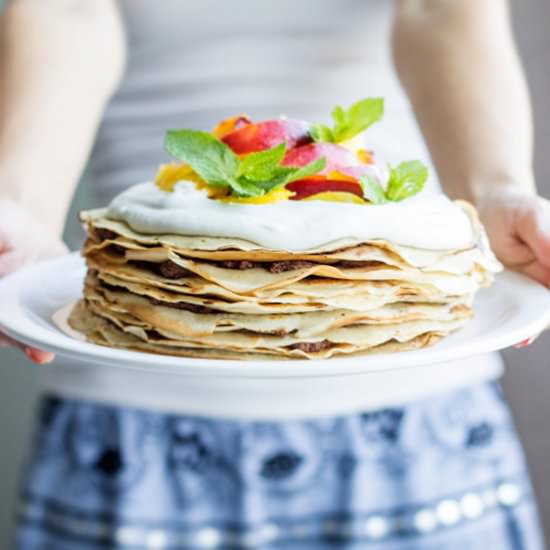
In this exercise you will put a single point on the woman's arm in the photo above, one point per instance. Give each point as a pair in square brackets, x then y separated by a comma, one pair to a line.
[460, 68]
[60, 60]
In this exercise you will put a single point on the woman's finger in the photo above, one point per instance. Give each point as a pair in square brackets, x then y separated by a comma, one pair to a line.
[534, 230]
[36, 355]
[537, 271]
[39, 356]
[526, 342]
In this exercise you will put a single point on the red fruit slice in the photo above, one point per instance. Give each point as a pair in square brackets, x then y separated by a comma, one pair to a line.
[336, 156]
[265, 135]
[318, 184]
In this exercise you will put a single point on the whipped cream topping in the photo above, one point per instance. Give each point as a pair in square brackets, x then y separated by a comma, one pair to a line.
[428, 220]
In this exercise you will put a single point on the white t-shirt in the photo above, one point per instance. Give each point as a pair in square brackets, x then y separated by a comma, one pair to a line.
[195, 62]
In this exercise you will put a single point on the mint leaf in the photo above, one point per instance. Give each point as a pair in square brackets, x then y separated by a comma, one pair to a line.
[245, 188]
[349, 122]
[321, 133]
[211, 159]
[360, 116]
[372, 190]
[307, 170]
[286, 174]
[278, 179]
[339, 116]
[260, 166]
[406, 180]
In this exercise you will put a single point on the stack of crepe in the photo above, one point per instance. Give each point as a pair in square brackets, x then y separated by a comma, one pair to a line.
[231, 299]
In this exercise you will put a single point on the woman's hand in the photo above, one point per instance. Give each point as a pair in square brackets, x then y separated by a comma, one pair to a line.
[24, 241]
[518, 225]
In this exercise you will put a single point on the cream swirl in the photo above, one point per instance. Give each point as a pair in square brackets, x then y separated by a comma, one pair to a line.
[429, 221]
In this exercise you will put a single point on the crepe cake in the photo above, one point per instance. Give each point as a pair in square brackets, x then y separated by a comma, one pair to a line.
[280, 239]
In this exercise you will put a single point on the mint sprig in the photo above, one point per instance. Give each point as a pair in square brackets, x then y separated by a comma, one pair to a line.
[254, 175]
[349, 122]
[261, 166]
[406, 180]
[372, 190]
[211, 159]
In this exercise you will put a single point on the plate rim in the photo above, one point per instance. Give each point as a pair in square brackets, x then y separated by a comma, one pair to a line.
[338, 366]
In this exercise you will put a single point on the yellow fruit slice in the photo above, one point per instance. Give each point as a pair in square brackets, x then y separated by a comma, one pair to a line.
[280, 194]
[229, 124]
[336, 175]
[169, 174]
[365, 156]
[335, 196]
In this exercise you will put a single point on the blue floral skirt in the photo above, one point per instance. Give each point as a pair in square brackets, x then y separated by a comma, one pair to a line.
[446, 473]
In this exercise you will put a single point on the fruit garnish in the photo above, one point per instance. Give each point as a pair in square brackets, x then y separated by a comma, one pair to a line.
[266, 135]
[253, 175]
[264, 162]
[349, 122]
[230, 124]
[335, 196]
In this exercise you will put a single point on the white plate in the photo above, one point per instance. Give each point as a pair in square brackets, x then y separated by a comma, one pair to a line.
[512, 310]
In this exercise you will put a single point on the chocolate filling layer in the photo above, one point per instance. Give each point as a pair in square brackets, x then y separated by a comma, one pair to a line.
[311, 347]
[238, 264]
[287, 265]
[193, 308]
[171, 270]
[105, 234]
[167, 269]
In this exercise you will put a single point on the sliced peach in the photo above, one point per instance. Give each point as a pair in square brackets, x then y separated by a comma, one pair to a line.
[337, 157]
[230, 124]
[265, 135]
[169, 174]
[365, 156]
[318, 184]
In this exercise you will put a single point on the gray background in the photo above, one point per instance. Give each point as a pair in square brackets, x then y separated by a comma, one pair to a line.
[527, 381]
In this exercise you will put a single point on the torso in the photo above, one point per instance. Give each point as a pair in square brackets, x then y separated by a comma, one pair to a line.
[194, 63]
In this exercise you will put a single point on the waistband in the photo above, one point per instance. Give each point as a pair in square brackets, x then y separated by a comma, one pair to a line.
[264, 398]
